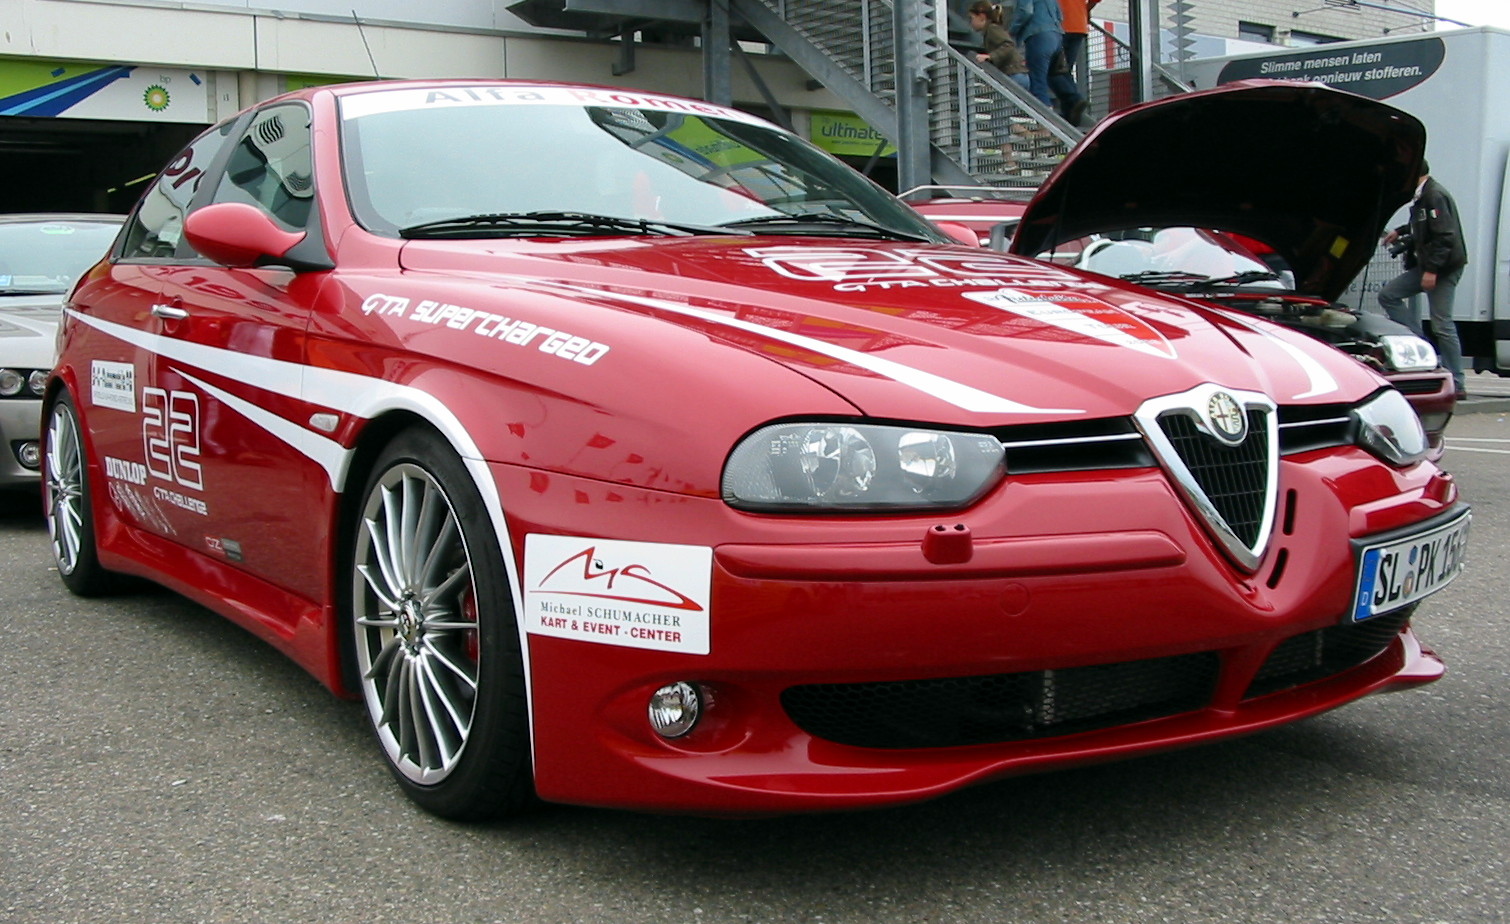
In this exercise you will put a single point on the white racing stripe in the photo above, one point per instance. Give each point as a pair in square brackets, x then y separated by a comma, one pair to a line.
[946, 390]
[359, 395]
[1321, 380]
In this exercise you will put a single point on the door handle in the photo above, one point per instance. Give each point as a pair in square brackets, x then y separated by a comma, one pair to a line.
[168, 312]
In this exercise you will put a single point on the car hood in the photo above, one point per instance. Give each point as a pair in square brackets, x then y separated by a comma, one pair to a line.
[1314, 173]
[902, 331]
[28, 330]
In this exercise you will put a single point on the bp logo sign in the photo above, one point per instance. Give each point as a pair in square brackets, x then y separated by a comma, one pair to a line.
[156, 98]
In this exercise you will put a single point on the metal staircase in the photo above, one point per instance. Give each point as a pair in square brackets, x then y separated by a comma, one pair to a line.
[982, 127]
[955, 122]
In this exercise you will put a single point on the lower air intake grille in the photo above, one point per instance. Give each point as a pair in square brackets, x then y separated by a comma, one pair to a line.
[1418, 386]
[1234, 478]
[1320, 654]
[952, 711]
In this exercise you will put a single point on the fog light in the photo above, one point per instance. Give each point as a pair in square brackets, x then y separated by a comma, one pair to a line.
[674, 709]
[29, 453]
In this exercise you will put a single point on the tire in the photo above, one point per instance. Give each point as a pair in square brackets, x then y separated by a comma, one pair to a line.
[67, 506]
[434, 637]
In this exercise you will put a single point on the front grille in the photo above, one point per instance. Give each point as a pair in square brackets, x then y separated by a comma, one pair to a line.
[1325, 652]
[1234, 479]
[1418, 386]
[1303, 428]
[1073, 446]
[953, 711]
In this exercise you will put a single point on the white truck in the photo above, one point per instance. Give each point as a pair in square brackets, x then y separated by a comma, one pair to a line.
[1458, 84]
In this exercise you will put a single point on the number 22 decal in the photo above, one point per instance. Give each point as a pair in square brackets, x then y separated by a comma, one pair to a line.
[170, 436]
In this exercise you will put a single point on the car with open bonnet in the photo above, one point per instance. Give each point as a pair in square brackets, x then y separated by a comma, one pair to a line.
[626, 450]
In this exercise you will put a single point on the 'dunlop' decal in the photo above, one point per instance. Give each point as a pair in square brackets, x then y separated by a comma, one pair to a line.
[1080, 314]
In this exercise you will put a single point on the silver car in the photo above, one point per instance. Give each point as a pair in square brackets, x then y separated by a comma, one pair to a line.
[41, 255]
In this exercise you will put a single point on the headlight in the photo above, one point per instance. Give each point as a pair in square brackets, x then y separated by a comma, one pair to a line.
[851, 466]
[1408, 353]
[37, 381]
[11, 382]
[1389, 428]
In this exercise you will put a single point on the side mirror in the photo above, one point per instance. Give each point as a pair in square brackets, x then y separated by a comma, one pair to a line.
[959, 233]
[237, 234]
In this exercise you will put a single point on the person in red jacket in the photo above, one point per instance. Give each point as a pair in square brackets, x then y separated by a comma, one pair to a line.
[1077, 25]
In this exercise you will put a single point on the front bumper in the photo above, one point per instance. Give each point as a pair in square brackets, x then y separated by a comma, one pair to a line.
[1115, 629]
[20, 422]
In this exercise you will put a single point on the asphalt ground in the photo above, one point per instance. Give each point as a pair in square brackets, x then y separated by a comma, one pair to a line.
[158, 764]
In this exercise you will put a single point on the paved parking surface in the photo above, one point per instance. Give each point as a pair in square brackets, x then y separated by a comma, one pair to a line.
[158, 764]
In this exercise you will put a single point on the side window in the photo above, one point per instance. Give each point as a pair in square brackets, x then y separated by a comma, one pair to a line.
[271, 166]
[156, 227]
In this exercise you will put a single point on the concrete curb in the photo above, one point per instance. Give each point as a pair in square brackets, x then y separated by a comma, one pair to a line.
[1475, 404]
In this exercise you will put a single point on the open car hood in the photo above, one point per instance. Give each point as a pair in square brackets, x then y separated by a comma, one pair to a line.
[1312, 172]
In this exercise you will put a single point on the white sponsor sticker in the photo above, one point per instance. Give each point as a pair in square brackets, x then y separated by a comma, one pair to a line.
[634, 594]
[373, 102]
[113, 385]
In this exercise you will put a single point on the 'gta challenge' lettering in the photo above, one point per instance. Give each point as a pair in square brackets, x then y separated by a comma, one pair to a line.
[547, 340]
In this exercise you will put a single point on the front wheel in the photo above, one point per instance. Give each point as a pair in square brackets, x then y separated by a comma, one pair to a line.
[435, 639]
[67, 505]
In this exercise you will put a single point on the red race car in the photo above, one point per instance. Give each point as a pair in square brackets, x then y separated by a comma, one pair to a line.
[626, 450]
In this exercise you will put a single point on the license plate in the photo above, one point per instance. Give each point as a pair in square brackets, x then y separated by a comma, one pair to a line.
[1398, 573]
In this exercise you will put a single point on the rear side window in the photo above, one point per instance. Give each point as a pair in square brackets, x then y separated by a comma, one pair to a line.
[156, 227]
[271, 167]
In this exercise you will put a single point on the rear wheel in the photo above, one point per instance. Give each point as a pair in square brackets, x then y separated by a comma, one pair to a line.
[67, 505]
[434, 635]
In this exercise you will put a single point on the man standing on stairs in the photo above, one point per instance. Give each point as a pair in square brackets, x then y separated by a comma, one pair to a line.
[1037, 26]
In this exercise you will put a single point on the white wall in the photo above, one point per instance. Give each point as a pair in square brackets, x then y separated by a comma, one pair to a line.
[258, 43]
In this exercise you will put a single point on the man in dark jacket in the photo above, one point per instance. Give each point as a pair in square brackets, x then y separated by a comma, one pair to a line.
[1434, 263]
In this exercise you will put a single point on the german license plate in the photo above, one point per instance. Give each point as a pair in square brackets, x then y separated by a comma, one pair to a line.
[1398, 573]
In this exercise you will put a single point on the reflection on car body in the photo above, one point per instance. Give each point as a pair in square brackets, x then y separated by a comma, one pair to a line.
[666, 463]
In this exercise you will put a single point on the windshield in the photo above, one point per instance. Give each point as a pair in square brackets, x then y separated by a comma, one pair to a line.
[45, 256]
[1175, 257]
[415, 158]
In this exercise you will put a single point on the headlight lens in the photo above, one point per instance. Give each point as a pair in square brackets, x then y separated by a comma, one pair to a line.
[851, 466]
[11, 382]
[1408, 353]
[37, 381]
[1389, 428]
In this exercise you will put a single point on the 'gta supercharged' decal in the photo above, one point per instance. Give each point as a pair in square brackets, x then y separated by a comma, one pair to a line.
[552, 342]
[634, 594]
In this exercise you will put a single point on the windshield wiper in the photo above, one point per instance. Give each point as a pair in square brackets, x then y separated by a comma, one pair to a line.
[800, 223]
[32, 291]
[1164, 278]
[548, 224]
[1238, 279]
